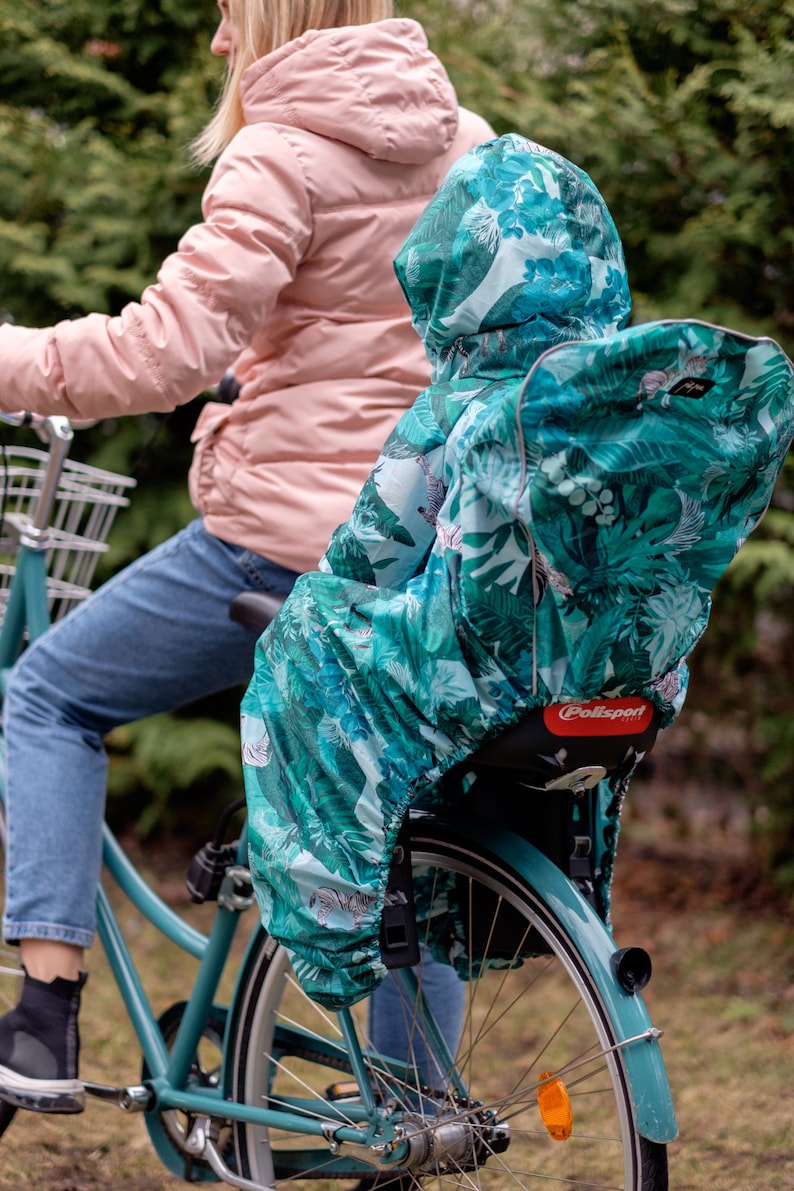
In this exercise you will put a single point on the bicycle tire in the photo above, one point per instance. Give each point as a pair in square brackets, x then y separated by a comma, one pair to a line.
[527, 1016]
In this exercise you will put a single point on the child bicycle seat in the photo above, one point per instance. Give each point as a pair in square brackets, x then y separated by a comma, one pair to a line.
[556, 779]
[574, 745]
[539, 779]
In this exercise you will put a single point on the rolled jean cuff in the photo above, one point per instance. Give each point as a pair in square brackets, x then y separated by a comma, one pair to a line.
[14, 932]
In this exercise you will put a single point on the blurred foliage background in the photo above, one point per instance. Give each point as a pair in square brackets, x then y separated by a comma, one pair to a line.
[682, 111]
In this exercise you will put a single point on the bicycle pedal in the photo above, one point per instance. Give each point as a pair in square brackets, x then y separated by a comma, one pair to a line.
[399, 938]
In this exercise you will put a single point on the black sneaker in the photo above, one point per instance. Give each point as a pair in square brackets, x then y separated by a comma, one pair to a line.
[40, 1045]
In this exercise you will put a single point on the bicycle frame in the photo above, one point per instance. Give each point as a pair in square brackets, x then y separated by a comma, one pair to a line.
[638, 1039]
[167, 1086]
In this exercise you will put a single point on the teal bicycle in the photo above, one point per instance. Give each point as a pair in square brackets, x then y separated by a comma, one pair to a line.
[557, 1078]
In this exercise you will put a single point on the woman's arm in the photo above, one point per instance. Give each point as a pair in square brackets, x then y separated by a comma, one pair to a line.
[211, 295]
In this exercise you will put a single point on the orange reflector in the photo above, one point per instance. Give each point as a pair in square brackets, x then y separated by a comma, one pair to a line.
[555, 1106]
[343, 1091]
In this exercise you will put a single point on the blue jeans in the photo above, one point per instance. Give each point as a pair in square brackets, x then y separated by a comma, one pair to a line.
[395, 1025]
[154, 638]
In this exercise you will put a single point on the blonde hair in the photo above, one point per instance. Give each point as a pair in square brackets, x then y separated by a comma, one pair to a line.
[263, 26]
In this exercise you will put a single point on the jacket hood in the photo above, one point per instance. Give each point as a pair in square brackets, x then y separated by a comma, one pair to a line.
[516, 253]
[377, 87]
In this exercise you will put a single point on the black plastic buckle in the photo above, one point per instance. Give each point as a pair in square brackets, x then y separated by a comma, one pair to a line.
[399, 938]
[207, 870]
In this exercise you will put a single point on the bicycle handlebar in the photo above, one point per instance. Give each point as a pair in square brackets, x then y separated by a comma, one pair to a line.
[57, 434]
[49, 429]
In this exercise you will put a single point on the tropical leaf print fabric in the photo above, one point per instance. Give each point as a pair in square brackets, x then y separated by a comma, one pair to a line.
[546, 523]
[647, 459]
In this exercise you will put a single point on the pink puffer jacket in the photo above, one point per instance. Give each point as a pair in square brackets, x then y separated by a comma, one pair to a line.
[348, 133]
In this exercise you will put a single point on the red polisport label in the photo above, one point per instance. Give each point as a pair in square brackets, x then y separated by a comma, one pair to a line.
[599, 717]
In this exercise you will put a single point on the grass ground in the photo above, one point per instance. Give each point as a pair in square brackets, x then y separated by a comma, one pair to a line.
[722, 990]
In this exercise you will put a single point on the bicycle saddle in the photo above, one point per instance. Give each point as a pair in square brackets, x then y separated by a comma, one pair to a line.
[255, 609]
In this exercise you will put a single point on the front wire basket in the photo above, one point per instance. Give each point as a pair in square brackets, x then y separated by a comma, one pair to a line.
[86, 503]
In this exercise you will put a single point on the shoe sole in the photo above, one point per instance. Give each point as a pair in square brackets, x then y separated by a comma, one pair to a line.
[41, 1095]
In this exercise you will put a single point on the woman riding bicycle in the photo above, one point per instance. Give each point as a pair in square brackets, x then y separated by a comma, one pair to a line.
[335, 127]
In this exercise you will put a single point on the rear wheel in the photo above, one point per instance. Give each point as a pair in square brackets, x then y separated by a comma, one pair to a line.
[546, 1101]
